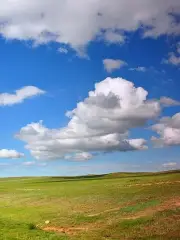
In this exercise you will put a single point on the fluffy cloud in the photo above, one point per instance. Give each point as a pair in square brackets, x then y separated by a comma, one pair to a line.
[30, 163]
[19, 95]
[169, 131]
[138, 69]
[100, 123]
[113, 64]
[5, 153]
[78, 22]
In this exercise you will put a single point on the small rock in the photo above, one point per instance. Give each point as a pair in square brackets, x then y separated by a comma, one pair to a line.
[47, 222]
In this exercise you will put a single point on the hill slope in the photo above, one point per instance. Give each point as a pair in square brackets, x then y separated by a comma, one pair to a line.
[113, 206]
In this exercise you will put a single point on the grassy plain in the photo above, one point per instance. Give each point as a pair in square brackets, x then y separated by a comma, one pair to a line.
[114, 207]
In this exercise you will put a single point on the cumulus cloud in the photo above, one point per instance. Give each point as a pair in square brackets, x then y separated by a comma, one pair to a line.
[138, 69]
[6, 153]
[98, 124]
[169, 131]
[76, 23]
[112, 64]
[20, 95]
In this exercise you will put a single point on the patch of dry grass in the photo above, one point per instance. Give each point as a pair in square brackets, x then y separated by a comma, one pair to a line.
[96, 208]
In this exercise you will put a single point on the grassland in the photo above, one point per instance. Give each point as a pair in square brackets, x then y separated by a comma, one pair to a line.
[115, 206]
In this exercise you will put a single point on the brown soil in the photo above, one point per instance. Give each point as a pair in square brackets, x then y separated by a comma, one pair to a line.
[169, 204]
[67, 230]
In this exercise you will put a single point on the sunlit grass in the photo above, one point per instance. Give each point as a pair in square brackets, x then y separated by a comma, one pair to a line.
[104, 207]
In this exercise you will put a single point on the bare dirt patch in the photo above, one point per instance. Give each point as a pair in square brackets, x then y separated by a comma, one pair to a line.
[172, 203]
[169, 204]
[66, 230]
[106, 211]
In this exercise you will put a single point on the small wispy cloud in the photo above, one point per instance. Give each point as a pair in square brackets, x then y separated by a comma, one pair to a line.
[10, 153]
[29, 163]
[34, 163]
[62, 50]
[169, 164]
[167, 102]
[113, 64]
[138, 69]
[7, 99]
[83, 156]
[173, 57]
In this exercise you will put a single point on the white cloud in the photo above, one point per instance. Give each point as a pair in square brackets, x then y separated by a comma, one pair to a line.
[76, 23]
[166, 101]
[173, 59]
[20, 95]
[6, 153]
[82, 156]
[112, 64]
[114, 37]
[169, 164]
[169, 131]
[33, 163]
[30, 163]
[100, 123]
[62, 50]
[138, 69]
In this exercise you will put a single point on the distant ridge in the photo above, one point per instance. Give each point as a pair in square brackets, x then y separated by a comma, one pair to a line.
[99, 176]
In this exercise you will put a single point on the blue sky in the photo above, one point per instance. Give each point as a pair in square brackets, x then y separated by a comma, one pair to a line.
[62, 72]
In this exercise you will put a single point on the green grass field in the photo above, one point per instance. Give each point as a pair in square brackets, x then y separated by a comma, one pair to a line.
[115, 206]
